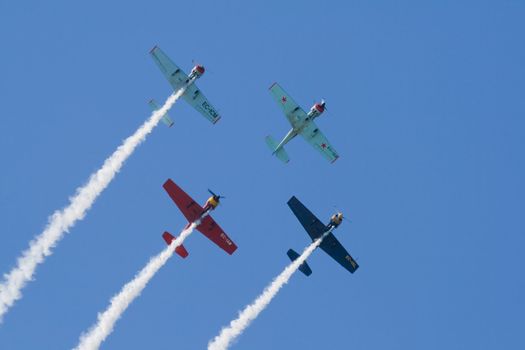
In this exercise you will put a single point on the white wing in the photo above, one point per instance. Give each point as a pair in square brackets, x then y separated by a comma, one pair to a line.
[315, 137]
[291, 109]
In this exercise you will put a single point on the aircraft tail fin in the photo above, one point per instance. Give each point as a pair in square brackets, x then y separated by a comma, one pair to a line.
[165, 118]
[280, 153]
[304, 268]
[180, 249]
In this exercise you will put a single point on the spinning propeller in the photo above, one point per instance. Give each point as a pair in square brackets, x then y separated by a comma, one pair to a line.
[215, 196]
[323, 103]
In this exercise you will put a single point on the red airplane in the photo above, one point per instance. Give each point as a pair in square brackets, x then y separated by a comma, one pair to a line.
[193, 211]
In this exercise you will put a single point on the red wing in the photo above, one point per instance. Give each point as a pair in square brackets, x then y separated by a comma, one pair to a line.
[214, 232]
[189, 208]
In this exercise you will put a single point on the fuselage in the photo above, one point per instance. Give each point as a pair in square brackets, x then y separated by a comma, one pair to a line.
[316, 110]
[297, 127]
[335, 220]
[196, 73]
[211, 203]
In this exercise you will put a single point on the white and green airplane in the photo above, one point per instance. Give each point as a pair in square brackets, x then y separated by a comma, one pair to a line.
[302, 123]
[177, 78]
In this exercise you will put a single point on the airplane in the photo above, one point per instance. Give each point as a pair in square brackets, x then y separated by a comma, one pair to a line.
[193, 211]
[315, 228]
[302, 123]
[177, 78]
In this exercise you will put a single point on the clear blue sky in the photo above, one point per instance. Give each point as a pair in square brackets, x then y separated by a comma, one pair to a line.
[425, 106]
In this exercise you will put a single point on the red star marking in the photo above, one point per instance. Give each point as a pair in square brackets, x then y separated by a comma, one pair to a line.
[323, 145]
[283, 99]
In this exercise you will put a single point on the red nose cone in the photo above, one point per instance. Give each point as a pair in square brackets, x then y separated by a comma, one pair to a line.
[319, 107]
[199, 69]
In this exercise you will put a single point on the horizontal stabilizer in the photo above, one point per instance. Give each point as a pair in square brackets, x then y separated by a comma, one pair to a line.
[165, 118]
[304, 268]
[180, 249]
[280, 153]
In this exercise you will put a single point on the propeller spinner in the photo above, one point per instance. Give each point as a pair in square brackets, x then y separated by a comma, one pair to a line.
[215, 196]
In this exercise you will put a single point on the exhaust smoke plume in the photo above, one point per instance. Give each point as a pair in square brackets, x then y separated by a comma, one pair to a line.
[63, 220]
[120, 302]
[250, 312]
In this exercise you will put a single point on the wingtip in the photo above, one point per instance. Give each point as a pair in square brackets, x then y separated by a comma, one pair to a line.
[271, 86]
[168, 182]
[292, 198]
[153, 48]
[333, 161]
[216, 120]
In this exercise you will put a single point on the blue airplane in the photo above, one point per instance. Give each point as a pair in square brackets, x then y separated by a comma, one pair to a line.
[315, 228]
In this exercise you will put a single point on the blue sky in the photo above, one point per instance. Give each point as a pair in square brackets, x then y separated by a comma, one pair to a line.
[425, 106]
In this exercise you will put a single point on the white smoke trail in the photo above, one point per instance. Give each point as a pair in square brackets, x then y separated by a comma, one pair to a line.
[120, 302]
[63, 220]
[250, 312]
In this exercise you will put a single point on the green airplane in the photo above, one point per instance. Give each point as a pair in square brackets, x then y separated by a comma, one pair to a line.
[302, 123]
[177, 78]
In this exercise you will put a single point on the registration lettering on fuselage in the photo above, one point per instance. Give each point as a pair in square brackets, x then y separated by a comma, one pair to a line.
[349, 258]
[223, 236]
[209, 109]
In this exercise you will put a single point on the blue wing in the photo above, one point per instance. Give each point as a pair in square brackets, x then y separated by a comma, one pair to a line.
[310, 222]
[332, 247]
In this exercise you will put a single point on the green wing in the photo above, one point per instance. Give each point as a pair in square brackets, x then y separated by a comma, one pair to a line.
[315, 137]
[291, 109]
[196, 98]
[171, 71]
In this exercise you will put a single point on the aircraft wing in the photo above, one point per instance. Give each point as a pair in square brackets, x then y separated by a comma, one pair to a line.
[215, 233]
[332, 247]
[291, 109]
[196, 98]
[189, 208]
[175, 75]
[310, 222]
[315, 137]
